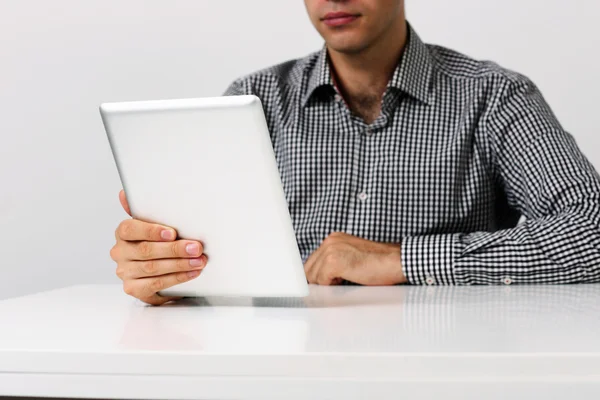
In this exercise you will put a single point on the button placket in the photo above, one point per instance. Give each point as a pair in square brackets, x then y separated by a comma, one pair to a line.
[355, 180]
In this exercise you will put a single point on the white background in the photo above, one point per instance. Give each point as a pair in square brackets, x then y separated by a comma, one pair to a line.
[60, 59]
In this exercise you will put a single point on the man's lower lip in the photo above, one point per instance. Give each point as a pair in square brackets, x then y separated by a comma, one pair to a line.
[340, 21]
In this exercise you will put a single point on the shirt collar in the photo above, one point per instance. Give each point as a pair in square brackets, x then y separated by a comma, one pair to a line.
[412, 75]
[320, 75]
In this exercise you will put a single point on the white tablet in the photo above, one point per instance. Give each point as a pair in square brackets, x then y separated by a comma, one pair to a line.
[206, 167]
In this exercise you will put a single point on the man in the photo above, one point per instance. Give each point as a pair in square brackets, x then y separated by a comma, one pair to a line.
[405, 163]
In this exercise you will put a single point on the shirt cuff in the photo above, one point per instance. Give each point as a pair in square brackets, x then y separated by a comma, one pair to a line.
[429, 260]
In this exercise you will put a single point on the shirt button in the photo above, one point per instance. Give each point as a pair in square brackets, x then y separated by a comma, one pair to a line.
[362, 196]
[430, 280]
[368, 132]
[338, 98]
[507, 281]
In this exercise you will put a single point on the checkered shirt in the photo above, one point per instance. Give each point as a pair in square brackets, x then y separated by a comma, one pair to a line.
[461, 150]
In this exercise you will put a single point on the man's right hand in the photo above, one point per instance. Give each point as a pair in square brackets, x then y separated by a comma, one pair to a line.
[149, 259]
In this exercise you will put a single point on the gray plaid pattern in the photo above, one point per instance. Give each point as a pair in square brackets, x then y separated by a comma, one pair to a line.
[461, 150]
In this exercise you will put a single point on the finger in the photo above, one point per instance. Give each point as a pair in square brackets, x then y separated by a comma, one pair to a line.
[326, 275]
[150, 268]
[139, 251]
[156, 300]
[326, 268]
[146, 288]
[320, 269]
[312, 273]
[124, 203]
[135, 230]
[309, 265]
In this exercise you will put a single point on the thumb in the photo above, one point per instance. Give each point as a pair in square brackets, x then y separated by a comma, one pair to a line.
[123, 201]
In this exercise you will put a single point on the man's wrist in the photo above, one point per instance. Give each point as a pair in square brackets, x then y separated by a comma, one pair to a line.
[394, 264]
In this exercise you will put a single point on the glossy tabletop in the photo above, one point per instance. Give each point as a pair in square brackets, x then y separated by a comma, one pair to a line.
[339, 342]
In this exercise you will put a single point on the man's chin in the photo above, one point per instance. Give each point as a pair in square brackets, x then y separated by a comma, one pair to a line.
[346, 46]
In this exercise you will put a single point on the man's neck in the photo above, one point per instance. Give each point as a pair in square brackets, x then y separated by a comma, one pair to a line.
[368, 72]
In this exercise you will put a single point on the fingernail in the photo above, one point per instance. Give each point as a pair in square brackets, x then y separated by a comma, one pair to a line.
[167, 234]
[192, 249]
[196, 262]
[193, 274]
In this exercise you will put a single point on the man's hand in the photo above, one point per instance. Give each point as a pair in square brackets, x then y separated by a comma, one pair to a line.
[342, 256]
[149, 259]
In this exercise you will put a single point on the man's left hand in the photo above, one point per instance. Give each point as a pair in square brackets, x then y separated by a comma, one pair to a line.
[346, 257]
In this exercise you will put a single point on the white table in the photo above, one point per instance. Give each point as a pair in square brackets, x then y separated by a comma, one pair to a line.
[341, 343]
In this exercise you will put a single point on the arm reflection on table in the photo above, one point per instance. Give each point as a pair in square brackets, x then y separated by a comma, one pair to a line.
[372, 319]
